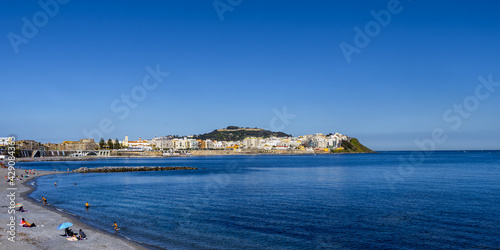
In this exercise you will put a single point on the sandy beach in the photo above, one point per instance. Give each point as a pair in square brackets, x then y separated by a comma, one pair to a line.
[45, 235]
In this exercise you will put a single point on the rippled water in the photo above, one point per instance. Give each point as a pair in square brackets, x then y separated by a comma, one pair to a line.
[450, 200]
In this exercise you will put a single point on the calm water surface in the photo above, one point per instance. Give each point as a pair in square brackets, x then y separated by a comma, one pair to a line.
[450, 200]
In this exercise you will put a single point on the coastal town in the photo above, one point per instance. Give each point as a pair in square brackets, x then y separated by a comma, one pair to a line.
[182, 145]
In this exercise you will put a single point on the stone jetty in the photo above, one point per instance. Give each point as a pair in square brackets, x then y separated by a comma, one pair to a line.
[128, 169]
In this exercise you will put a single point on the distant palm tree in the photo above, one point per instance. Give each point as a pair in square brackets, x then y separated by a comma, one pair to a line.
[101, 143]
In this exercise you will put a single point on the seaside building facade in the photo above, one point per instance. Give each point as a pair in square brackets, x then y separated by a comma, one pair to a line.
[162, 143]
[4, 141]
[306, 142]
[139, 144]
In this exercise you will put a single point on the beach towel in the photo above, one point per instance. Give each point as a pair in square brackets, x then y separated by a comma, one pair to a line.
[72, 238]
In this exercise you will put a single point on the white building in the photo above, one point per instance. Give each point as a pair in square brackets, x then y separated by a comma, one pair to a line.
[208, 144]
[251, 142]
[139, 144]
[270, 143]
[163, 143]
[290, 142]
[4, 141]
[180, 144]
[219, 145]
[192, 144]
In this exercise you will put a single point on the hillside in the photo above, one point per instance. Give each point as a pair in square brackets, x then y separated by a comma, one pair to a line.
[353, 146]
[233, 133]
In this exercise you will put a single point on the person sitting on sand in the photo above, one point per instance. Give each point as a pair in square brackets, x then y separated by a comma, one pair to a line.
[83, 236]
[21, 209]
[24, 223]
[69, 232]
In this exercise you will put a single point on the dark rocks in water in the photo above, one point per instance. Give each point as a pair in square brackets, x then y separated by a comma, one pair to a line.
[128, 169]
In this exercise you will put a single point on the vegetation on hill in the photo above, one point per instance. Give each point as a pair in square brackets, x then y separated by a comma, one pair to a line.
[352, 146]
[236, 134]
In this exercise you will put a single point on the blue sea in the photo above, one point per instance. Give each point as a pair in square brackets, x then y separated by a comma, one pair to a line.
[388, 200]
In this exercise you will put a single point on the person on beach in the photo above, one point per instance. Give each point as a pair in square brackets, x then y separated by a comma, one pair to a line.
[82, 236]
[24, 223]
[21, 209]
[68, 232]
[116, 226]
[44, 201]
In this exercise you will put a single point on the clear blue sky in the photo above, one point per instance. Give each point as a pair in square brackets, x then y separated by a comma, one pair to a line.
[264, 55]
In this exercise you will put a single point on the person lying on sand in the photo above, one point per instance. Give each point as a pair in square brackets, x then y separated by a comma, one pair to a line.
[21, 209]
[24, 223]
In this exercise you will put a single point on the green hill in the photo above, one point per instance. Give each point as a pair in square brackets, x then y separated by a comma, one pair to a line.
[234, 133]
[353, 146]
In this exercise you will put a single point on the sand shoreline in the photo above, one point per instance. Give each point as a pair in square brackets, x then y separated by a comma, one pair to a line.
[47, 218]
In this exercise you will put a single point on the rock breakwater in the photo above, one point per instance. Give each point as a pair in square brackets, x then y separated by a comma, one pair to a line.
[128, 169]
